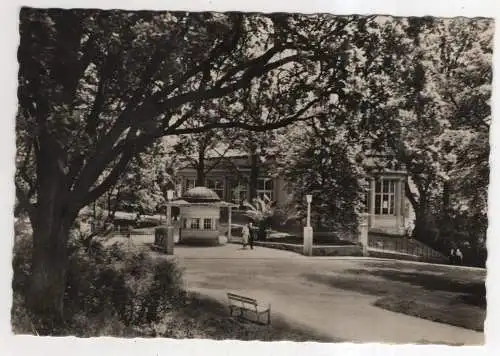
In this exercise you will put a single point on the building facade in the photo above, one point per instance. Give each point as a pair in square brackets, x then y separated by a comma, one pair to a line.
[386, 203]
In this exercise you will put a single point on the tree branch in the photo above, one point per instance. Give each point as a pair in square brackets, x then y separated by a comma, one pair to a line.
[225, 46]
[411, 197]
[109, 181]
[99, 161]
[219, 159]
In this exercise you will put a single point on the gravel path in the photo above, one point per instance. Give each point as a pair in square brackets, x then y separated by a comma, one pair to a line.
[278, 277]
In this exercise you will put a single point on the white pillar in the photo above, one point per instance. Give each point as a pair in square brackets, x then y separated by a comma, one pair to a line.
[308, 231]
[170, 226]
[372, 203]
[229, 223]
[308, 215]
[308, 241]
[363, 233]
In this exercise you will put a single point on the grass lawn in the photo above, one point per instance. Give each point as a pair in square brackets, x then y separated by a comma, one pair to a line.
[206, 318]
[439, 293]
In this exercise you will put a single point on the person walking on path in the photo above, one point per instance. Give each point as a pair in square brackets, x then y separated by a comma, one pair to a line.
[245, 234]
[452, 256]
[459, 256]
[251, 234]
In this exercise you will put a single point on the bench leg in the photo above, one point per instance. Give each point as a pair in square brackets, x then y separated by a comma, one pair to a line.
[268, 317]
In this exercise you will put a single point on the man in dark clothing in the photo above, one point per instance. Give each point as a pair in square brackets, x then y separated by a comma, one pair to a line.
[251, 234]
[452, 256]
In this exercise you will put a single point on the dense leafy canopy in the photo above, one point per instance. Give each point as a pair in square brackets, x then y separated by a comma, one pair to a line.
[97, 89]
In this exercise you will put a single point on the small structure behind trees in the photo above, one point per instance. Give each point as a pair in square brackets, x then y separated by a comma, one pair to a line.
[199, 217]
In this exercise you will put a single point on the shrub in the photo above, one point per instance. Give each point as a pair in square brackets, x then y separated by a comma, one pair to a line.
[108, 291]
[21, 263]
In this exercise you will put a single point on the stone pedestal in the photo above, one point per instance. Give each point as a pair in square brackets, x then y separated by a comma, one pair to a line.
[169, 246]
[363, 233]
[308, 241]
[164, 239]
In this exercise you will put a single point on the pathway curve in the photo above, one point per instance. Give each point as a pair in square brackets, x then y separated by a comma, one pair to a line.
[278, 277]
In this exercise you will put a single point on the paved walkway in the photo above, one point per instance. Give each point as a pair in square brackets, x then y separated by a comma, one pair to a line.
[280, 278]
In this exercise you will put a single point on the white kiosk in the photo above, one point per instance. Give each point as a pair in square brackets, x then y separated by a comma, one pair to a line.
[200, 216]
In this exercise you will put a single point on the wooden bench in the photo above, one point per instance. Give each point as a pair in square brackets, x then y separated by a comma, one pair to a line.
[241, 303]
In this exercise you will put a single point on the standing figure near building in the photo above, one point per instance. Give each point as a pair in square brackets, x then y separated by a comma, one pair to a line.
[251, 234]
[245, 234]
[459, 256]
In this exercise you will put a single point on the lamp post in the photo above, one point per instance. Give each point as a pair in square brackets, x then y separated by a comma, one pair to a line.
[309, 198]
[170, 228]
[170, 196]
[363, 233]
[308, 230]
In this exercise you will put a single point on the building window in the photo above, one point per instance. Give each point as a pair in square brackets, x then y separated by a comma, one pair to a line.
[385, 195]
[195, 224]
[240, 193]
[207, 224]
[217, 185]
[265, 188]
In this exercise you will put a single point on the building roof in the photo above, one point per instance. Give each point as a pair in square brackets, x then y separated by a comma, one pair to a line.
[217, 204]
[222, 151]
[200, 195]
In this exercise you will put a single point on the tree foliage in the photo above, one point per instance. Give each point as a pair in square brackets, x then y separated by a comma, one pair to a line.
[142, 186]
[96, 88]
[324, 161]
[436, 122]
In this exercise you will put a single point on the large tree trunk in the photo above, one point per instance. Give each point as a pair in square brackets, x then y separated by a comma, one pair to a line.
[48, 272]
[51, 224]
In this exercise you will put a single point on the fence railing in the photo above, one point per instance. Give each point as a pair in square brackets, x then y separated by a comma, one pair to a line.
[125, 231]
[405, 246]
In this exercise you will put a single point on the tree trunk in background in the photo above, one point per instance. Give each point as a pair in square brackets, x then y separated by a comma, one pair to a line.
[115, 205]
[108, 203]
[445, 219]
[254, 175]
[420, 224]
[446, 197]
[200, 169]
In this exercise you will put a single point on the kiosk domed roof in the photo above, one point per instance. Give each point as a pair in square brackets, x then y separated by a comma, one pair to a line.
[200, 195]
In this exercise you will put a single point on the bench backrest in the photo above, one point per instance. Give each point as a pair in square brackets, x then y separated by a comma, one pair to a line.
[242, 299]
